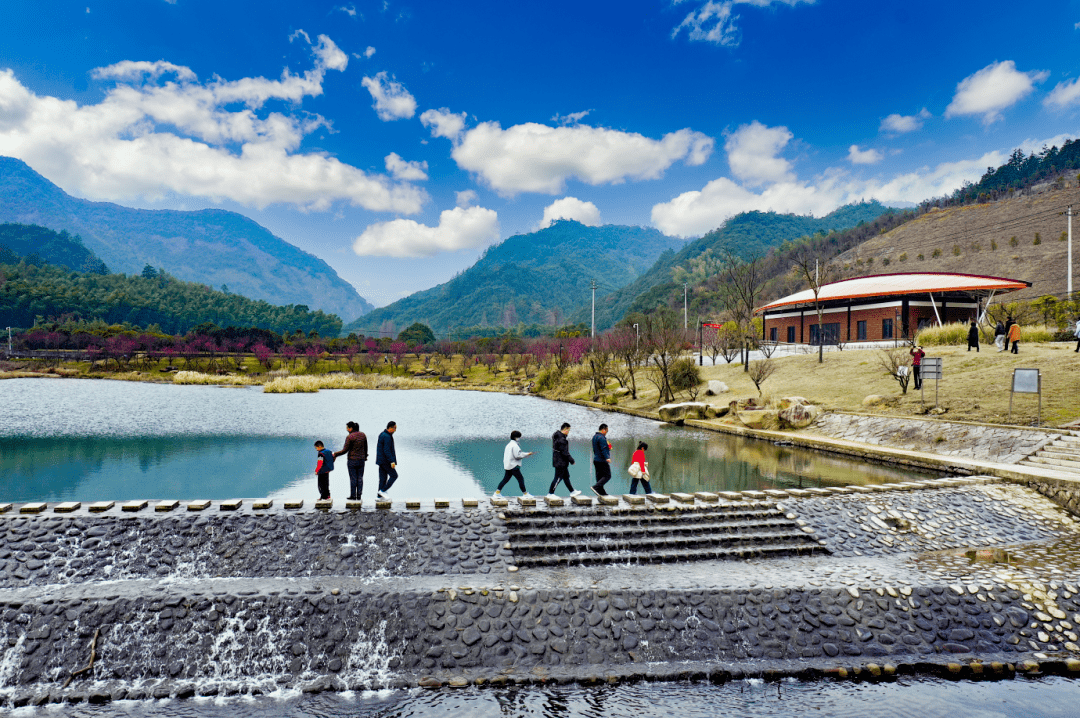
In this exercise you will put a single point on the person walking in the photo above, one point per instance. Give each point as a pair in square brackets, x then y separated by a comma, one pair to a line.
[1076, 334]
[561, 460]
[1008, 327]
[601, 459]
[357, 449]
[999, 336]
[323, 469]
[1014, 337]
[386, 459]
[639, 469]
[512, 456]
[917, 355]
[973, 337]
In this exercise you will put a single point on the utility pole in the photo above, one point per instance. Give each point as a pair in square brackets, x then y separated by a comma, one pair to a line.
[593, 308]
[1069, 287]
[685, 324]
[9, 340]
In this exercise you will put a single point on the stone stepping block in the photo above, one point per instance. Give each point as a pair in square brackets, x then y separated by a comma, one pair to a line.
[502, 502]
[634, 499]
[134, 505]
[799, 493]
[604, 500]
[442, 503]
[4, 508]
[470, 503]
[527, 500]
[383, 504]
[166, 505]
[585, 500]
[759, 495]
[658, 498]
[101, 506]
[33, 508]
[730, 495]
[262, 504]
[324, 505]
[198, 505]
[294, 503]
[67, 507]
[838, 490]
[413, 504]
[554, 501]
[861, 489]
[231, 504]
[683, 498]
[354, 505]
[820, 492]
[707, 496]
[776, 494]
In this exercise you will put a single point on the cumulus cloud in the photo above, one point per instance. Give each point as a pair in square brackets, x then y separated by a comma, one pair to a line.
[444, 123]
[714, 20]
[406, 171]
[537, 158]
[992, 89]
[466, 198]
[369, 51]
[571, 208]
[1064, 95]
[160, 130]
[863, 157]
[392, 100]
[458, 228]
[571, 119]
[752, 153]
[898, 124]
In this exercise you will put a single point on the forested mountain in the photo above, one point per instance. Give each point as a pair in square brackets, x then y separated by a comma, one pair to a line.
[536, 278]
[38, 245]
[1020, 172]
[746, 234]
[213, 247]
[29, 291]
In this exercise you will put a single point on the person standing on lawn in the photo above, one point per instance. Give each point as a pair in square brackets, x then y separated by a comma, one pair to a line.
[999, 336]
[601, 457]
[1014, 337]
[973, 337]
[917, 355]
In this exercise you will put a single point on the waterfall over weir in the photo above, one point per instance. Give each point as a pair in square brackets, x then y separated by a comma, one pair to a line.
[214, 602]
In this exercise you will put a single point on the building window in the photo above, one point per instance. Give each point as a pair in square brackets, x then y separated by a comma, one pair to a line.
[791, 335]
[831, 334]
[860, 329]
[772, 334]
[924, 323]
[886, 329]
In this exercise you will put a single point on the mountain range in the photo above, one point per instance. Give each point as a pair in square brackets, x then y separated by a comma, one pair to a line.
[214, 247]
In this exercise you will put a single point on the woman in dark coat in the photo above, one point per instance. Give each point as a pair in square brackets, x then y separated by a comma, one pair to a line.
[973, 336]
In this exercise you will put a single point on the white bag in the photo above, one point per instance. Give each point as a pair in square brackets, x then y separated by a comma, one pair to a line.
[634, 471]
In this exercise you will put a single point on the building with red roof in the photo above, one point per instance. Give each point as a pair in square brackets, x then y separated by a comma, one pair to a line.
[881, 307]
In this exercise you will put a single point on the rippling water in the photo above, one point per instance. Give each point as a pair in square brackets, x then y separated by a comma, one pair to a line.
[919, 698]
[85, 440]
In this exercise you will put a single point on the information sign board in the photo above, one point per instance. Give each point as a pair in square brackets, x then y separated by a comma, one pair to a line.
[1026, 381]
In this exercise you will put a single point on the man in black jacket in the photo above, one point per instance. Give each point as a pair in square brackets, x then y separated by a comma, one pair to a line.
[561, 460]
[386, 459]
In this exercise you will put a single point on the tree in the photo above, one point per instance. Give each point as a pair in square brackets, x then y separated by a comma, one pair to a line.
[816, 274]
[760, 371]
[628, 351]
[897, 364]
[417, 334]
[741, 284]
[149, 272]
[664, 337]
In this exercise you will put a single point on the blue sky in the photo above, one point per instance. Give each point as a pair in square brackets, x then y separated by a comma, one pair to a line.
[396, 140]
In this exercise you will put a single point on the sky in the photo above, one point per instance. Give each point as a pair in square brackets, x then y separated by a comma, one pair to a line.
[397, 140]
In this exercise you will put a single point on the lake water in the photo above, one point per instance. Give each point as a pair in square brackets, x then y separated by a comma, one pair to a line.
[87, 440]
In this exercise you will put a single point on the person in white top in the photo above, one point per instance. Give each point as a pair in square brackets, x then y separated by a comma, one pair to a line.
[512, 457]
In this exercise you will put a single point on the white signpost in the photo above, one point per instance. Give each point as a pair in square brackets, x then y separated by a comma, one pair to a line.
[930, 369]
[1026, 381]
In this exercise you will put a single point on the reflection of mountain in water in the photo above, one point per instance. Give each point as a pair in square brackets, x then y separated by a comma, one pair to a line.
[90, 469]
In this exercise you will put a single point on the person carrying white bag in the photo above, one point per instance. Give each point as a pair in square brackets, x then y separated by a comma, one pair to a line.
[639, 469]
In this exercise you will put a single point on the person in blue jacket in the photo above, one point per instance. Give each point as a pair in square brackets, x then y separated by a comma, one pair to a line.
[323, 469]
[386, 459]
[601, 459]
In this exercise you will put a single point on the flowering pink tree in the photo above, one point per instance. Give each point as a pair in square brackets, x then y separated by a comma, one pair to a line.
[263, 355]
[398, 350]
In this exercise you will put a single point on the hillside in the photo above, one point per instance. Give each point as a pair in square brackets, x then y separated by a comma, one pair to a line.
[32, 243]
[995, 238]
[746, 234]
[536, 278]
[213, 247]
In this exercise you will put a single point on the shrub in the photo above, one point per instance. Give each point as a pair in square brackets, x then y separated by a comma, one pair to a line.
[1038, 239]
[993, 244]
[903, 257]
[936, 253]
[921, 257]
[955, 334]
[685, 375]
[1013, 242]
[885, 262]
[956, 250]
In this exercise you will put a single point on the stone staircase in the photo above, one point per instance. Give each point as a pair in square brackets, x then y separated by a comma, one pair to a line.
[728, 531]
[1063, 454]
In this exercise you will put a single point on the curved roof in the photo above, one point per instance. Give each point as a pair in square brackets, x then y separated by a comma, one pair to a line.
[884, 285]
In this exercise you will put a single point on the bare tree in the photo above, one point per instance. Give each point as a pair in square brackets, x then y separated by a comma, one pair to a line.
[664, 339]
[629, 352]
[740, 287]
[760, 371]
[598, 363]
[816, 274]
[897, 364]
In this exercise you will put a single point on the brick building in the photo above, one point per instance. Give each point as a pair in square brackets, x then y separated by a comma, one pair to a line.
[881, 307]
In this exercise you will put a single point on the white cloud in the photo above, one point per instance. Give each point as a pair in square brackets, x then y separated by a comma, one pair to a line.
[159, 130]
[369, 51]
[714, 20]
[537, 158]
[1064, 94]
[459, 228]
[392, 100]
[992, 89]
[466, 198]
[571, 119]
[752, 151]
[571, 208]
[444, 123]
[864, 157]
[405, 171]
[349, 10]
[899, 124]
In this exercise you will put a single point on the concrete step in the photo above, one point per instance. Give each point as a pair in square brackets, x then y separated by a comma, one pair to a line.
[1068, 466]
[636, 532]
[524, 520]
[634, 557]
[1059, 454]
[686, 544]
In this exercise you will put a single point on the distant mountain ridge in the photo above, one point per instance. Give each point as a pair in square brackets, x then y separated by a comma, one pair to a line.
[214, 247]
[536, 278]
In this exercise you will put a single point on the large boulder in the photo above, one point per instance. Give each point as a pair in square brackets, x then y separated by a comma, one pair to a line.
[876, 400]
[758, 418]
[798, 416]
[716, 388]
[789, 401]
[678, 413]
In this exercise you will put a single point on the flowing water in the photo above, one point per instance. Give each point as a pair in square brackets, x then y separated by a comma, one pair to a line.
[86, 440]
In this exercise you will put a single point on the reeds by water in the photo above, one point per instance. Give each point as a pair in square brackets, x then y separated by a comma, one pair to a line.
[309, 383]
[196, 377]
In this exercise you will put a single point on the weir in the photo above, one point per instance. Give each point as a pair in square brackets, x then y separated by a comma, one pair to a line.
[965, 576]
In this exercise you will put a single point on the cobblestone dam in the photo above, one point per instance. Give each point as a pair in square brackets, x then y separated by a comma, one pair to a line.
[963, 576]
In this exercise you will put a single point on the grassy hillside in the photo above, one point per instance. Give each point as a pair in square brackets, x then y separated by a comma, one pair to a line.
[536, 278]
[212, 247]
